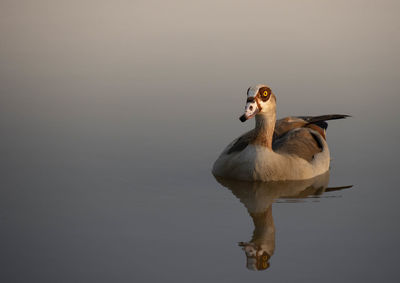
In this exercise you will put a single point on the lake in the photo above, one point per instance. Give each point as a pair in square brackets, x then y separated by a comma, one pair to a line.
[112, 115]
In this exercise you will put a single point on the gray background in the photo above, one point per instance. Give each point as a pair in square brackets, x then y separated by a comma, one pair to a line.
[112, 113]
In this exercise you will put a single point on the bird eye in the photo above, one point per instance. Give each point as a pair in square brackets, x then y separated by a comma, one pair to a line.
[265, 93]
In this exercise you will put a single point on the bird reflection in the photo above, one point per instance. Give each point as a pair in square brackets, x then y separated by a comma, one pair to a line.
[258, 197]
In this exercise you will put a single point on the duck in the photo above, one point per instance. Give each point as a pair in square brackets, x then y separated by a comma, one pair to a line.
[291, 148]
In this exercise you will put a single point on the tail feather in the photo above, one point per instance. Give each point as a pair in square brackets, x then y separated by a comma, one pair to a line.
[332, 189]
[321, 120]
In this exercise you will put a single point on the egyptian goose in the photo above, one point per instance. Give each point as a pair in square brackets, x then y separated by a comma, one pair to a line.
[292, 148]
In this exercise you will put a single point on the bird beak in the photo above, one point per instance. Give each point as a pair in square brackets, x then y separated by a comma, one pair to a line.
[243, 118]
[250, 111]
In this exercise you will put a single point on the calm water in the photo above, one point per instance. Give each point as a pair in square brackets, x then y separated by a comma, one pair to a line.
[112, 115]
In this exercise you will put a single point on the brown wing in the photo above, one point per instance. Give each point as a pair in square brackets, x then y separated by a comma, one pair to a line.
[242, 142]
[301, 142]
[282, 128]
[287, 124]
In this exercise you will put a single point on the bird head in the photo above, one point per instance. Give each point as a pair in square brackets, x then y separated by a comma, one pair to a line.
[260, 100]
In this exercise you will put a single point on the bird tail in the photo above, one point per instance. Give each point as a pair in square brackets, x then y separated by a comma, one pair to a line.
[321, 120]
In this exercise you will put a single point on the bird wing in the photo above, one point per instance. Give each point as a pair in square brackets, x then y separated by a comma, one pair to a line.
[241, 142]
[287, 124]
[292, 135]
[317, 123]
[301, 142]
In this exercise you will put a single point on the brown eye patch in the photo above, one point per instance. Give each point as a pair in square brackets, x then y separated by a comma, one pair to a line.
[264, 93]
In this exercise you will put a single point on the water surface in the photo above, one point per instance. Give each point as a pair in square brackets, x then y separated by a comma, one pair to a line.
[112, 115]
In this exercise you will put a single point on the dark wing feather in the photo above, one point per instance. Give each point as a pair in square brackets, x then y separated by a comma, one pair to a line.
[321, 120]
[242, 142]
[287, 124]
[302, 143]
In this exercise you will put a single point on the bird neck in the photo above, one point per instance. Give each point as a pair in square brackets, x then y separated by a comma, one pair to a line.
[264, 230]
[264, 130]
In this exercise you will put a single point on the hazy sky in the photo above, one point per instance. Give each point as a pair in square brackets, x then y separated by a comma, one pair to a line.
[105, 48]
[123, 62]
[112, 113]
[144, 71]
